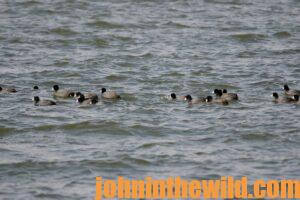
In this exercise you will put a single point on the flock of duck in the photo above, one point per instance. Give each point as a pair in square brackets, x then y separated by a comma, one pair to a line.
[222, 97]
[85, 99]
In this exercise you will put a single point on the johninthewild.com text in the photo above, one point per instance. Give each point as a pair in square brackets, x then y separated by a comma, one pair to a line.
[178, 188]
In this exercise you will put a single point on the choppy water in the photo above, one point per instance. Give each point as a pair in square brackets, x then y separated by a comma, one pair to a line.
[145, 49]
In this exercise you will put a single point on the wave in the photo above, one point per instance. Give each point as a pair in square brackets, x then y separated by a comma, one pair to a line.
[109, 127]
[248, 37]
[63, 31]
[176, 25]
[232, 2]
[29, 3]
[104, 24]
[282, 34]
[246, 54]
[286, 52]
[114, 77]
[98, 42]
[153, 144]
[43, 165]
[258, 136]
[4, 130]
[123, 38]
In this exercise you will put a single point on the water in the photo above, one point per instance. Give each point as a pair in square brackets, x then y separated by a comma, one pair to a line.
[146, 49]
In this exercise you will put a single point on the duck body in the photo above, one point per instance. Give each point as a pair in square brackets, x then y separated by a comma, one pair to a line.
[109, 94]
[91, 96]
[288, 99]
[191, 100]
[221, 101]
[229, 96]
[209, 99]
[62, 93]
[7, 90]
[87, 95]
[289, 92]
[38, 102]
[83, 101]
[226, 96]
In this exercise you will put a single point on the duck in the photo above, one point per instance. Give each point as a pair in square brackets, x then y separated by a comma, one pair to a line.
[109, 94]
[175, 97]
[38, 102]
[87, 95]
[209, 99]
[233, 96]
[83, 101]
[289, 92]
[7, 90]
[62, 93]
[277, 99]
[224, 95]
[190, 100]
[35, 87]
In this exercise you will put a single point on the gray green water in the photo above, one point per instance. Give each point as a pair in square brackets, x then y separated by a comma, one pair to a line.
[145, 49]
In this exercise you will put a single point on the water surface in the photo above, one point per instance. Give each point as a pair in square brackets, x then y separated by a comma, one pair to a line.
[146, 49]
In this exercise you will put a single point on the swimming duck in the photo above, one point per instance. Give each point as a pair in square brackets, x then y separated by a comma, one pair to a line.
[62, 93]
[38, 102]
[289, 92]
[35, 87]
[190, 100]
[277, 99]
[109, 94]
[224, 95]
[174, 97]
[87, 95]
[209, 99]
[233, 96]
[83, 101]
[7, 90]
